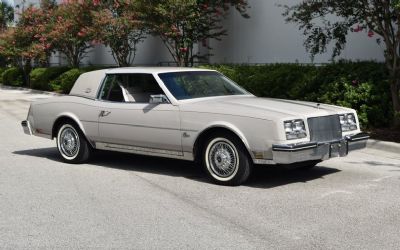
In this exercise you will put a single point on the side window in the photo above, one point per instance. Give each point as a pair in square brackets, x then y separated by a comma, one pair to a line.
[130, 88]
[140, 87]
[112, 90]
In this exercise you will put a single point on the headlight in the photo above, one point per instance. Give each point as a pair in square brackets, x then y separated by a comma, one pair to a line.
[348, 122]
[295, 129]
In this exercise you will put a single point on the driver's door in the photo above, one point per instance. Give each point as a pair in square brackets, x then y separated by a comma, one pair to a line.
[128, 122]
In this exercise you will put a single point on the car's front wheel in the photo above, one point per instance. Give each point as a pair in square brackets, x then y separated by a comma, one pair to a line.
[72, 144]
[226, 160]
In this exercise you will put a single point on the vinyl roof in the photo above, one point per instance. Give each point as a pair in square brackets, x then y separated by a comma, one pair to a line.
[152, 70]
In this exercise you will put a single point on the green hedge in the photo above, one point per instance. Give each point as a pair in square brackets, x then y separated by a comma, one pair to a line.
[1, 74]
[41, 77]
[359, 85]
[66, 81]
[13, 77]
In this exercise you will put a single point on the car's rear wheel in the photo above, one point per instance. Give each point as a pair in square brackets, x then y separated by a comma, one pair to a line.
[72, 144]
[226, 160]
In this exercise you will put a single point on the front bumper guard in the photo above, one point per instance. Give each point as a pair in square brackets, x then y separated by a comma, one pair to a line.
[314, 151]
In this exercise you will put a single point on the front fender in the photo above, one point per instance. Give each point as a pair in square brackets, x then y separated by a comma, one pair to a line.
[228, 126]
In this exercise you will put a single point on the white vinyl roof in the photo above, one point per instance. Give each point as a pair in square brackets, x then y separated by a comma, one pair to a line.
[152, 70]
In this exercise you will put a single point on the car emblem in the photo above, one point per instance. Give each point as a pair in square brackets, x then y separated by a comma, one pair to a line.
[88, 90]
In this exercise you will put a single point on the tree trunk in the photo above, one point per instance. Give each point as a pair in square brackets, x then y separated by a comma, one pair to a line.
[26, 69]
[75, 61]
[395, 92]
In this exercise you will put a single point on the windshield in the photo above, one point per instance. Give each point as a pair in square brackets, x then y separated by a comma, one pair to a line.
[197, 84]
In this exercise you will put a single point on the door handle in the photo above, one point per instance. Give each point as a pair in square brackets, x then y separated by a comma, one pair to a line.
[104, 113]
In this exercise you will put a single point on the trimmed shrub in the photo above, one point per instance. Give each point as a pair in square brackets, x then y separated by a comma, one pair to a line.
[41, 77]
[1, 74]
[67, 79]
[13, 77]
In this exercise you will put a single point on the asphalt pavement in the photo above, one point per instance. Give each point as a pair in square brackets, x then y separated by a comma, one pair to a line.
[125, 201]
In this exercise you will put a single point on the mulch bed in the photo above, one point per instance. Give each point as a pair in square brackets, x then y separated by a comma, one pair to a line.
[387, 134]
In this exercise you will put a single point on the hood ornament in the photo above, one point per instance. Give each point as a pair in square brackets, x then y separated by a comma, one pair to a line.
[318, 105]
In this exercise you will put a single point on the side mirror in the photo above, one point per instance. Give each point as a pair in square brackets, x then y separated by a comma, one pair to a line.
[158, 99]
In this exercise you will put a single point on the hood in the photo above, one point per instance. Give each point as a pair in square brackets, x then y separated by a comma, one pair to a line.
[264, 108]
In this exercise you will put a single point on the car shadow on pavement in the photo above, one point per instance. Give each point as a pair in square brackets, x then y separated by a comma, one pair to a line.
[262, 177]
[274, 176]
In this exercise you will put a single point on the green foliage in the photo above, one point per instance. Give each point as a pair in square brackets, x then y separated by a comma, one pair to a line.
[67, 30]
[118, 27]
[13, 77]
[1, 74]
[65, 81]
[361, 85]
[183, 23]
[329, 22]
[41, 77]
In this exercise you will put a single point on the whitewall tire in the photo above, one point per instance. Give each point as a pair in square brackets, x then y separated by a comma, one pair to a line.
[226, 160]
[72, 145]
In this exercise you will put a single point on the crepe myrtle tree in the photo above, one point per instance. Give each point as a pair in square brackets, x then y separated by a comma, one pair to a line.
[116, 24]
[379, 19]
[183, 23]
[33, 29]
[19, 51]
[68, 29]
[26, 41]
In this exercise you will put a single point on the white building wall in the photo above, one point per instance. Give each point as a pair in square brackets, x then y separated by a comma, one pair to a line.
[263, 38]
[266, 38]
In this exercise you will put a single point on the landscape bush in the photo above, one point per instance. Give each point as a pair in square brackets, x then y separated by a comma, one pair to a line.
[1, 74]
[66, 80]
[41, 77]
[13, 77]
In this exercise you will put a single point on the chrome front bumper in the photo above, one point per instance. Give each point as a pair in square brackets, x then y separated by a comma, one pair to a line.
[311, 151]
[26, 126]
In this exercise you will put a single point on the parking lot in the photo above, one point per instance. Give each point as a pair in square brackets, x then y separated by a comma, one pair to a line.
[127, 201]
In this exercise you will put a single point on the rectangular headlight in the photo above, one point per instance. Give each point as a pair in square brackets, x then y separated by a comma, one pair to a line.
[295, 129]
[348, 122]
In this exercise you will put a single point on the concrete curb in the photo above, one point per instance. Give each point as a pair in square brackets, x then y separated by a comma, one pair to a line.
[34, 91]
[384, 146]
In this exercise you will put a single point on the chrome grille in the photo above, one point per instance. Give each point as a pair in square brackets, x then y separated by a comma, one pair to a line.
[326, 128]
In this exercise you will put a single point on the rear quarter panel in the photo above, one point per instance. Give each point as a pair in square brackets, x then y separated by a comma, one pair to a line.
[83, 111]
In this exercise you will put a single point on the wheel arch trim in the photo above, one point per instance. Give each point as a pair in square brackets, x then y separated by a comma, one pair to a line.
[75, 119]
[222, 125]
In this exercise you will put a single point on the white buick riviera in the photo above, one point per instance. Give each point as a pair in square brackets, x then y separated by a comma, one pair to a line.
[192, 114]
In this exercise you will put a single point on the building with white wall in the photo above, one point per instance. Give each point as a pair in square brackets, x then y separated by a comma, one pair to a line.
[263, 38]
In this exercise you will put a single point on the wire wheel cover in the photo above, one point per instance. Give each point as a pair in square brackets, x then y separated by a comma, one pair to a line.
[69, 143]
[223, 159]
